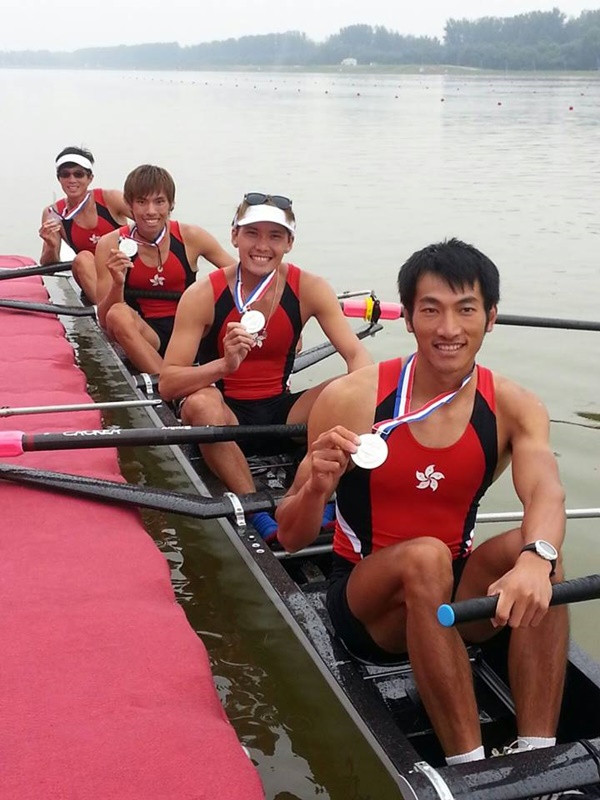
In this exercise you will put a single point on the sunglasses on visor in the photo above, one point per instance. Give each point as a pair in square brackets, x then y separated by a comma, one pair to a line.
[258, 199]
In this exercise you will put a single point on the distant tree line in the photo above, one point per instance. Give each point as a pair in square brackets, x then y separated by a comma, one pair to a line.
[540, 40]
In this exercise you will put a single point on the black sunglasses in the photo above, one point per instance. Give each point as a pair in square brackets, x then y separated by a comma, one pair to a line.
[76, 173]
[258, 199]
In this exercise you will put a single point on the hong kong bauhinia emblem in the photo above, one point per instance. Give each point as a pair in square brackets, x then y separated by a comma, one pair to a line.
[429, 479]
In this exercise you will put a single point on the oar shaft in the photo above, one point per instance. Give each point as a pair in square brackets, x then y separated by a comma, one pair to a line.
[15, 443]
[37, 269]
[158, 499]
[23, 410]
[49, 308]
[547, 322]
[321, 351]
[573, 591]
[515, 516]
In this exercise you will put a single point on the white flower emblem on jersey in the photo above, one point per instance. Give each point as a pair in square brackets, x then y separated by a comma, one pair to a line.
[157, 280]
[429, 479]
[94, 239]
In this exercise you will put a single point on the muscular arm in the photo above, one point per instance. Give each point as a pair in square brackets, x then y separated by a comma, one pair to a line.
[524, 591]
[319, 300]
[199, 242]
[349, 404]
[534, 467]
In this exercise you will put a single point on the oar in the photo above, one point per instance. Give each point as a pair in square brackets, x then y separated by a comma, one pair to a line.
[49, 308]
[324, 543]
[15, 443]
[36, 269]
[395, 311]
[573, 591]
[5, 411]
[142, 496]
[303, 360]
[547, 322]
[321, 351]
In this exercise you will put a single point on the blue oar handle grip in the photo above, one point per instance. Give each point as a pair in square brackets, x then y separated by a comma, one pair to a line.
[467, 610]
[573, 591]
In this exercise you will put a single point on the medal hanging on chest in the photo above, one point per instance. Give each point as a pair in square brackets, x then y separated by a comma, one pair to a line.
[252, 320]
[130, 245]
[373, 449]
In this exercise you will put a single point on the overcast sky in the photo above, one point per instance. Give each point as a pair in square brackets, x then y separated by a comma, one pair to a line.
[72, 24]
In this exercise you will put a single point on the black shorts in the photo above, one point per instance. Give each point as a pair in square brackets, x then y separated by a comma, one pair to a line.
[350, 630]
[163, 328]
[270, 411]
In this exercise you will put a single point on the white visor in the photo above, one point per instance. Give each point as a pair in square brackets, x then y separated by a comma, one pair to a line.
[74, 158]
[265, 213]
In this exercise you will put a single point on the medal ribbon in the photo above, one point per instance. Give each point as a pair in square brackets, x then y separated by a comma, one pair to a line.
[66, 214]
[154, 243]
[403, 397]
[255, 295]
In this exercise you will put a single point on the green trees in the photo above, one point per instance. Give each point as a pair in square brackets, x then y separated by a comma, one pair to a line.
[539, 40]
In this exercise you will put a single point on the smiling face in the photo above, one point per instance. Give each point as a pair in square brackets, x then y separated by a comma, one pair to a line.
[261, 246]
[150, 214]
[449, 324]
[74, 180]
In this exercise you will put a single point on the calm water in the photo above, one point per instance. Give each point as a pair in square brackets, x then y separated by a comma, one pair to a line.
[378, 166]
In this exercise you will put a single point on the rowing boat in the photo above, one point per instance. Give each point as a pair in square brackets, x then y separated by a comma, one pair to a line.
[383, 701]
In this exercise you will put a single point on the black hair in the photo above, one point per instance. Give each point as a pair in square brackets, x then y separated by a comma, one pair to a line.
[456, 263]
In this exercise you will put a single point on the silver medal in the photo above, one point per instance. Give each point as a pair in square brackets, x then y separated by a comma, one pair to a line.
[253, 321]
[128, 246]
[372, 451]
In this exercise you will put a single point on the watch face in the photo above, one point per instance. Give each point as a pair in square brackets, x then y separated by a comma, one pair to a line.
[546, 550]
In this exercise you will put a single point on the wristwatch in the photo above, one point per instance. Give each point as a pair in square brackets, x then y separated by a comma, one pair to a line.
[544, 550]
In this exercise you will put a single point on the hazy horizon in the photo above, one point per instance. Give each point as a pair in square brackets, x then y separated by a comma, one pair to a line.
[65, 25]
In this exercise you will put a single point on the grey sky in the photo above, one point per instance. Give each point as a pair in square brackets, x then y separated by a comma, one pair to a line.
[72, 24]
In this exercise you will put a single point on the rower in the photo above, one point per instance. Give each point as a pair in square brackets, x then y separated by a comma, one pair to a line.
[144, 268]
[411, 446]
[81, 217]
[247, 320]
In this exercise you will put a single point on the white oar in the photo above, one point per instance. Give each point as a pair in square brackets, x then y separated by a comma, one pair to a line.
[502, 516]
[515, 516]
[9, 412]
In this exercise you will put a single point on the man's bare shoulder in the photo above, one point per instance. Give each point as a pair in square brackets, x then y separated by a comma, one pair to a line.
[352, 388]
[515, 403]
[199, 291]
[108, 240]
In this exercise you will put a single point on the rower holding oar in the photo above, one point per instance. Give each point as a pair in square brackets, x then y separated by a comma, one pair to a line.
[247, 320]
[411, 446]
[81, 217]
[140, 265]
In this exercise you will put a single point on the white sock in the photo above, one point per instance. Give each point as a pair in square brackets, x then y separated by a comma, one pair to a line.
[538, 742]
[461, 758]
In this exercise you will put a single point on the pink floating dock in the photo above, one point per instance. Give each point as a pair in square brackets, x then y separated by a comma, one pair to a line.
[106, 692]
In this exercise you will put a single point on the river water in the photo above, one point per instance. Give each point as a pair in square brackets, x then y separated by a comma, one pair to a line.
[378, 166]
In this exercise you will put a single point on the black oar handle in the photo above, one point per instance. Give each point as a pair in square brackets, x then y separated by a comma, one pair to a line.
[573, 591]
[15, 442]
[36, 269]
[152, 294]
